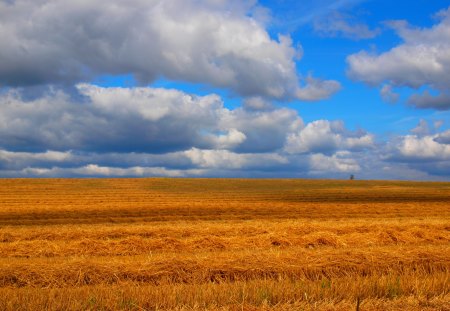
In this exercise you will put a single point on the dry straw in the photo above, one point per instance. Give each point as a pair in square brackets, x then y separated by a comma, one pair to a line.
[200, 244]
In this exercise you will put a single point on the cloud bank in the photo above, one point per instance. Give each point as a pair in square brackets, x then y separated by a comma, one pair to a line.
[144, 131]
[117, 130]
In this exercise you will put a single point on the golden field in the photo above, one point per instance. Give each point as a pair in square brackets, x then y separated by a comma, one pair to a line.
[223, 244]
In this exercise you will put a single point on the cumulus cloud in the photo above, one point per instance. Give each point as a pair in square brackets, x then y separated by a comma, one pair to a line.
[150, 120]
[426, 153]
[84, 163]
[218, 43]
[93, 170]
[55, 122]
[320, 149]
[18, 160]
[338, 24]
[265, 131]
[110, 119]
[257, 103]
[419, 148]
[143, 131]
[324, 136]
[422, 60]
[341, 162]
[228, 140]
[316, 89]
[224, 159]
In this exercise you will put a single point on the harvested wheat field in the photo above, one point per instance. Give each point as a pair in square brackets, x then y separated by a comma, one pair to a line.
[223, 244]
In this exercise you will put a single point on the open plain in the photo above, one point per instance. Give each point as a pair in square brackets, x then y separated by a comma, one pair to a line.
[223, 244]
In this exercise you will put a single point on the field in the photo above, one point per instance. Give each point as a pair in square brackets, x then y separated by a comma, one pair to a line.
[223, 244]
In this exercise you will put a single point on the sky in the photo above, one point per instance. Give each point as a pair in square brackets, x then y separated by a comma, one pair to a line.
[216, 88]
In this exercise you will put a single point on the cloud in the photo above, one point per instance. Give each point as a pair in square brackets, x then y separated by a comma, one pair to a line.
[218, 43]
[428, 154]
[428, 148]
[340, 162]
[265, 131]
[109, 119]
[438, 123]
[422, 128]
[317, 89]
[443, 138]
[428, 101]
[257, 103]
[17, 160]
[11, 160]
[323, 136]
[93, 170]
[224, 159]
[229, 140]
[337, 24]
[55, 122]
[140, 119]
[143, 131]
[298, 13]
[388, 95]
[422, 60]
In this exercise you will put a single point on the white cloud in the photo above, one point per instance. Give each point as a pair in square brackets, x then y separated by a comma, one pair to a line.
[53, 156]
[426, 147]
[321, 148]
[109, 119]
[422, 60]
[212, 42]
[324, 136]
[10, 160]
[229, 140]
[316, 89]
[144, 131]
[427, 154]
[101, 171]
[223, 159]
[95, 170]
[363, 141]
[341, 162]
[265, 131]
[142, 120]
[257, 103]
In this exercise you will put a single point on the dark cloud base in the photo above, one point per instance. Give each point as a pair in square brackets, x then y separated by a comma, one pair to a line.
[160, 132]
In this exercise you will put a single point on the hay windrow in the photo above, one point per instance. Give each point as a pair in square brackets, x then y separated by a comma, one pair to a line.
[221, 244]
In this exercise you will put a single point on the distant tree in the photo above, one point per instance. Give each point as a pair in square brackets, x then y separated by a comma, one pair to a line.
[352, 177]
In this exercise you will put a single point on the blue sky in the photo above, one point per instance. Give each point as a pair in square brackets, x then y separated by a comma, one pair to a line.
[282, 88]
